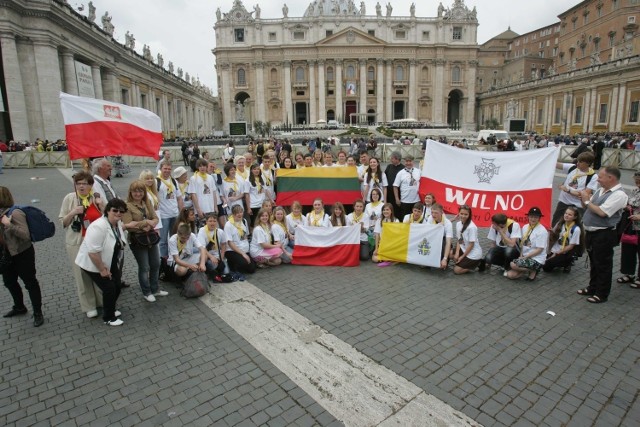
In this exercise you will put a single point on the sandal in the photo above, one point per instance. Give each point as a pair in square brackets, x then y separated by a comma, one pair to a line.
[585, 292]
[532, 278]
[625, 279]
[635, 285]
[595, 299]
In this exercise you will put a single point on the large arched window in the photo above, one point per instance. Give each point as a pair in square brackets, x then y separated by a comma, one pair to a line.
[299, 74]
[330, 74]
[455, 74]
[351, 72]
[242, 80]
[274, 76]
[371, 73]
[400, 73]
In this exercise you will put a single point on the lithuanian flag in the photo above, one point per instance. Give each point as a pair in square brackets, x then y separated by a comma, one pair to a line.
[419, 244]
[331, 184]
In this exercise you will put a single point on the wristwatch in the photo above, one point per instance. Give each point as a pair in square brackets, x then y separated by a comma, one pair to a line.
[587, 202]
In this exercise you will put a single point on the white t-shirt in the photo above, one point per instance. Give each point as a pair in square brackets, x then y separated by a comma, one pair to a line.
[362, 220]
[373, 212]
[168, 200]
[515, 233]
[234, 235]
[191, 248]
[256, 194]
[371, 184]
[279, 234]
[260, 235]
[576, 180]
[537, 239]
[469, 235]
[408, 183]
[204, 239]
[573, 238]
[293, 223]
[233, 189]
[206, 192]
[269, 177]
[448, 227]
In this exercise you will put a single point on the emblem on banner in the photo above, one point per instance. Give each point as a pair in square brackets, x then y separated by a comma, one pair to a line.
[424, 248]
[112, 112]
[486, 170]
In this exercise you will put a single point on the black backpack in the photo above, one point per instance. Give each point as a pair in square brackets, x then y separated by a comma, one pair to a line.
[40, 226]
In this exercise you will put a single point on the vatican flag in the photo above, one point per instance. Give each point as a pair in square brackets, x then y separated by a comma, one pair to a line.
[419, 244]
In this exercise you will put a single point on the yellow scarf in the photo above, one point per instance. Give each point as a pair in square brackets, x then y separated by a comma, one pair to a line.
[183, 187]
[213, 239]
[267, 178]
[526, 236]
[580, 175]
[509, 222]
[154, 199]
[412, 221]
[357, 219]
[375, 204]
[565, 235]
[202, 175]
[86, 200]
[180, 246]
[235, 183]
[169, 184]
[314, 219]
[244, 175]
[239, 227]
[435, 222]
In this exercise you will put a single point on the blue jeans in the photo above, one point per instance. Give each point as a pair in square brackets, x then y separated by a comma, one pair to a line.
[148, 259]
[165, 233]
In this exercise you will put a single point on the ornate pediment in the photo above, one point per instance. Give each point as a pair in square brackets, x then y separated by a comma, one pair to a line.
[237, 14]
[351, 36]
[460, 12]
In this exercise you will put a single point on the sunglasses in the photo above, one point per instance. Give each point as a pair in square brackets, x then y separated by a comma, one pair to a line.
[114, 210]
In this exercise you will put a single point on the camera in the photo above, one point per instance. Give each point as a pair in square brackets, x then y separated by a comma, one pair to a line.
[76, 225]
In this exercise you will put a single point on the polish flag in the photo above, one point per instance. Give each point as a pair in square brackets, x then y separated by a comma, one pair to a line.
[509, 182]
[97, 128]
[338, 246]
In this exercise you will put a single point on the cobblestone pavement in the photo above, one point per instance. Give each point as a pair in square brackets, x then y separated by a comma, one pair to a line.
[482, 344]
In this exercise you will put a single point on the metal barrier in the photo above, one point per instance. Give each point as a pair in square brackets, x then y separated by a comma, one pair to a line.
[624, 159]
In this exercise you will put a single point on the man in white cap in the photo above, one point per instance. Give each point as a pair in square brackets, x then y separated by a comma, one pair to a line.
[170, 203]
[181, 175]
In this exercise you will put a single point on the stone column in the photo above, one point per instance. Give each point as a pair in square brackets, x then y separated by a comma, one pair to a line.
[288, 103]
[412, 87]
[15, 90]
[593, 113]
[134, 94]
[622, 96]
[261, 104]
[69, 69]
[379, 90]
[226, 102]
[389, 90]
[439, 103]
[469, 117]
[339, 84]
[362, 108]
[322, 92]
[112, 87]
[313, 101]
[565, 112]
[151, 102]
[97, 81]
[586, 110]
[47, 66]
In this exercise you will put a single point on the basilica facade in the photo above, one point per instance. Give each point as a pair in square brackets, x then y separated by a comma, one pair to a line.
[341, 62]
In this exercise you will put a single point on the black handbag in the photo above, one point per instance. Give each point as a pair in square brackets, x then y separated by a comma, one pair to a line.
[5, 260]
[148, 239]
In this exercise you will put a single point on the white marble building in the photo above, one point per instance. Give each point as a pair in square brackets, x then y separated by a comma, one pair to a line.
[340, 62]
[48, 47]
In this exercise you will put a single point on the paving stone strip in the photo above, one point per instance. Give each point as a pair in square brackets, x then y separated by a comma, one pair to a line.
[348, 384]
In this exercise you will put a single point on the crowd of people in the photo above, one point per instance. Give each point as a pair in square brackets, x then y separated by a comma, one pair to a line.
[226, 222]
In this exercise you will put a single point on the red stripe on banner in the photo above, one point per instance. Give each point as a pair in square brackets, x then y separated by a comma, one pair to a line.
[338, 255]
[109, 138]
[328, 197]
[484, 204]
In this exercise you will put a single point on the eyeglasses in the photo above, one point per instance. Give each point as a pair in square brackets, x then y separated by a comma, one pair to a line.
[114, 210]
[82, 183]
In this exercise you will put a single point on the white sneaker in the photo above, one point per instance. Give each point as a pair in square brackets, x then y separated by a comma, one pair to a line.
[117, 313]
[116, 322]
[150, 298]
[505, 274]
[92, 313]
[161, 293]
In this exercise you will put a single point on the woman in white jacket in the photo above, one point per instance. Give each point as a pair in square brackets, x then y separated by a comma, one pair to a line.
[101, 256]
